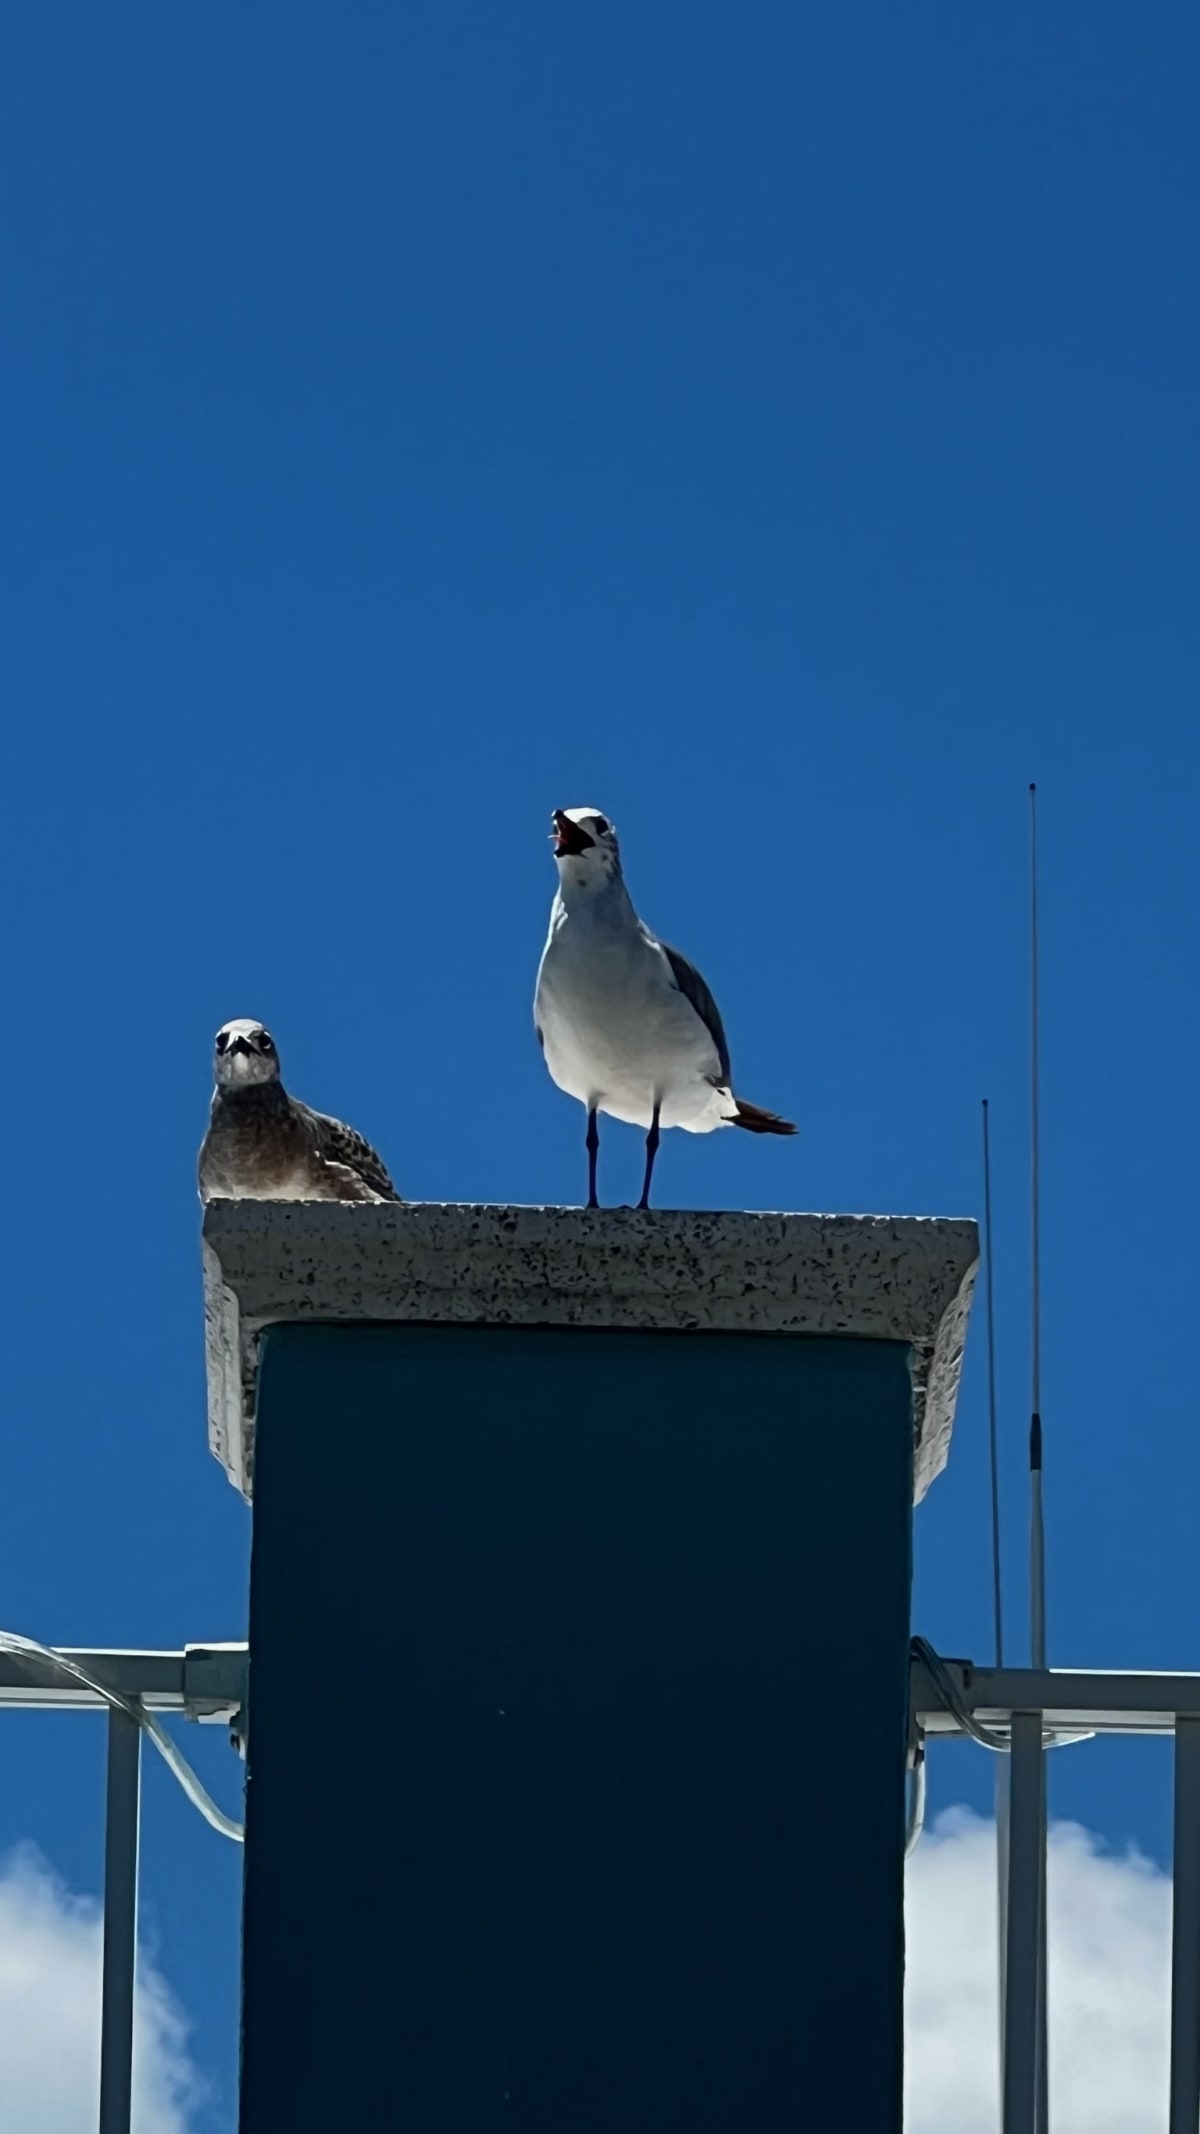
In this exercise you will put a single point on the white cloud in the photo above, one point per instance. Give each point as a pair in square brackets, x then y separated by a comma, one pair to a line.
[1109, 1934]
[50, 2016]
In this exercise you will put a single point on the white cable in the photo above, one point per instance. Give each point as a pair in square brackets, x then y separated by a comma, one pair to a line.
[916, 1802]
[948, 1691]
[19, 1649]
[951, 1697]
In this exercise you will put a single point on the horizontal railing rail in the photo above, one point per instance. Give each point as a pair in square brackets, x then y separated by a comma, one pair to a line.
[205, 1682]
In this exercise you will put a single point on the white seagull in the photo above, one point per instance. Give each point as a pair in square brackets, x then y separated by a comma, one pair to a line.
[263, 1144]
[627, 1024]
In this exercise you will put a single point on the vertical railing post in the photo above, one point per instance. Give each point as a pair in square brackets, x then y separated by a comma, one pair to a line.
[1043, 1980]
[1185, 1933]
[120, 1922]
[1002, 1857]
[1026, 1813]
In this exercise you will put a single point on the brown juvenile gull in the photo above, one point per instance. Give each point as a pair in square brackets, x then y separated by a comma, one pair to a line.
[263, 1144]
[627, 1024]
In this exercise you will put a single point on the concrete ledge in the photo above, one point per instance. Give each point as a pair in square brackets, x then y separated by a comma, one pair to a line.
[883, 1278]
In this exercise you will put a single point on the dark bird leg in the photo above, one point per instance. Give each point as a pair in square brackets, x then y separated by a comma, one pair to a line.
[651, 1153]
[592, 1145]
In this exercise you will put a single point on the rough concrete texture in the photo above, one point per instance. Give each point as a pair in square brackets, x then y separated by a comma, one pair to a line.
[883, 1278]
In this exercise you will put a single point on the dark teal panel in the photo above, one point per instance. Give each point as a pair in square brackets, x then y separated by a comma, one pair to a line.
[579, 1669]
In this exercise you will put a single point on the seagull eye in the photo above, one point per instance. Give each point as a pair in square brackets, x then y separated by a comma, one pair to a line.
[601, 825]
[265, 1044]
[222, 1040]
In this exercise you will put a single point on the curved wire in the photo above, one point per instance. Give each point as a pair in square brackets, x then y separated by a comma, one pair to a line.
[950, 1696]
[948, 1691]
[24, 1649]
[916, 1802]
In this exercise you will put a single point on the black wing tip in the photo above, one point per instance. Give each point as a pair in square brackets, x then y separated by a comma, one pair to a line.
[757, 1121]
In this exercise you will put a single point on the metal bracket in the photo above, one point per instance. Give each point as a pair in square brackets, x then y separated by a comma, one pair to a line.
[216, 1682]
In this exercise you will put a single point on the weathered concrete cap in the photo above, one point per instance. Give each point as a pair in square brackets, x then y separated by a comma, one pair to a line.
[877, 1277]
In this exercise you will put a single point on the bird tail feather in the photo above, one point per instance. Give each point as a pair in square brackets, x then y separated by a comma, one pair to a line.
[757, 1121]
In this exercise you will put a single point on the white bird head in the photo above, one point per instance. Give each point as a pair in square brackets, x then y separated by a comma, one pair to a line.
[585, 846]
[244, 1054]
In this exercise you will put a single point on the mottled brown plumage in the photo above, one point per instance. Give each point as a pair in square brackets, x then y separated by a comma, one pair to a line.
[263, 1144]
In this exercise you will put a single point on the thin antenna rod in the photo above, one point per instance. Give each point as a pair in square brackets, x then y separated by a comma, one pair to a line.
[1037, 1538]
[1037, 1535]
[997, 1603]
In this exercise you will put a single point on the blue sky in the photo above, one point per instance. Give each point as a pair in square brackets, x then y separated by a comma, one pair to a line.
[778, 432]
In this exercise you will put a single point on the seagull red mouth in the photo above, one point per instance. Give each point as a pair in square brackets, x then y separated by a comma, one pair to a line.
[570, 840]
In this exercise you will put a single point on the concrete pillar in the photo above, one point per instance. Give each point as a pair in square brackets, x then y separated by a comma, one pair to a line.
[579, 1625]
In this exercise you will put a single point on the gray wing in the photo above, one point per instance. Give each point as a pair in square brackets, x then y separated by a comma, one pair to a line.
[339, 1143]
[694, 990]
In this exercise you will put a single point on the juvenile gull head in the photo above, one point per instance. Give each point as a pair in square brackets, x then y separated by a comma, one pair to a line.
[244, 1054]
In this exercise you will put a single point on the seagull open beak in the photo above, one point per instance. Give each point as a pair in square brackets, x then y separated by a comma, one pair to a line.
[569, 839]
[241, 1044]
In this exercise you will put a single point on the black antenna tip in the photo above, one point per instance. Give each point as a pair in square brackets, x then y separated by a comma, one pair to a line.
[1032, 786]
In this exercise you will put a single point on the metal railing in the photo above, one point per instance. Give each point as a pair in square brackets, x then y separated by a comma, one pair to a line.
[1025, 1710]
[204, 1682]
[1017, 1709]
